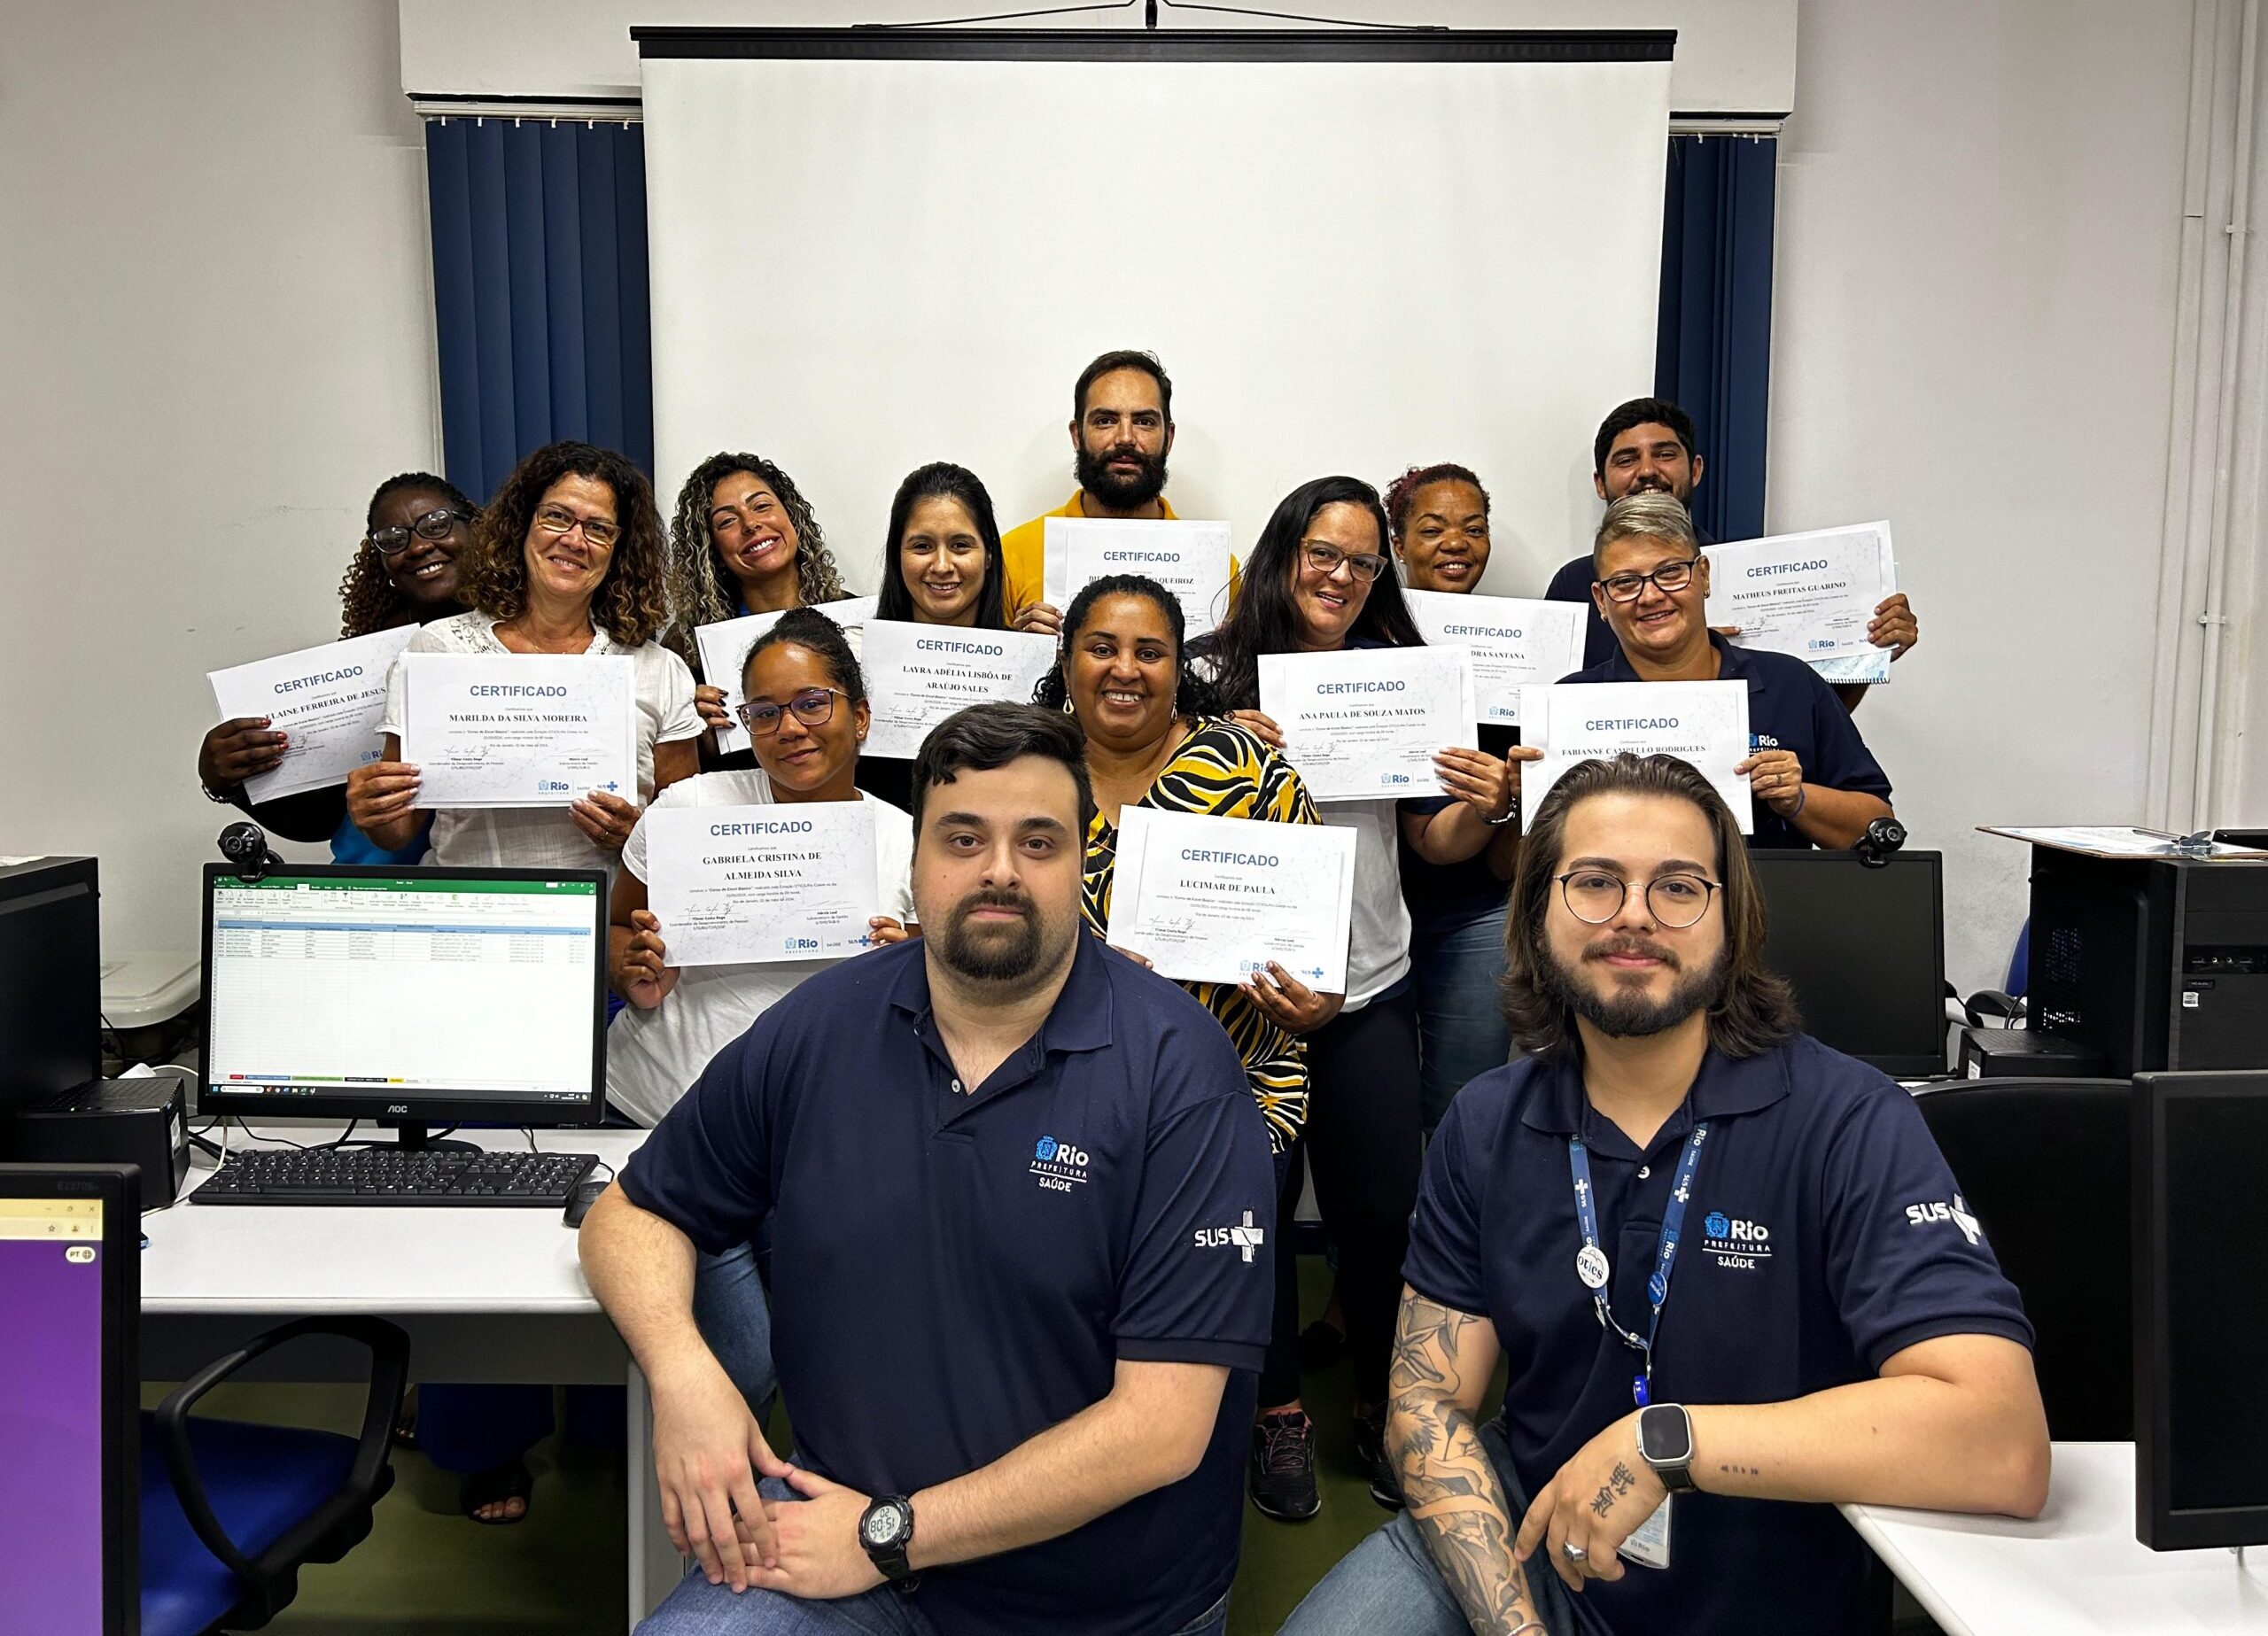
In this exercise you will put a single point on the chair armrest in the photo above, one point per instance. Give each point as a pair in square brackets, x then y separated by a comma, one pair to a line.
[389, 1379]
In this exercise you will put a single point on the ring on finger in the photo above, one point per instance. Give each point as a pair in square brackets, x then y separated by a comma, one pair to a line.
[1575, 1554]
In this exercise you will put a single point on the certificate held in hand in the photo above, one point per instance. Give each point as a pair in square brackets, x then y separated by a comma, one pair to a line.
[1810, 595]
[736, 886]
[1215, 900]
[724, 647]
[1187, 557]
[1363, 724]
[519, 730]
[919, 674]
[1514, 642]
[327, 701]
[1703, 722]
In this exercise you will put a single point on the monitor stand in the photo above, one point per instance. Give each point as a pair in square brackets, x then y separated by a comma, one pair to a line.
[414, 1137]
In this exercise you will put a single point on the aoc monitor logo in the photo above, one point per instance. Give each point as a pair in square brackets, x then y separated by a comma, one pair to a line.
[1734, 1242]
[1059, 1165]
[1938, 1210]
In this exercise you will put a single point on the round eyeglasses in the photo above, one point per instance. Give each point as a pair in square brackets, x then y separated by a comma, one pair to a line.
[1670, 578]
[434, 524]
[1595, 897]
[813, 707]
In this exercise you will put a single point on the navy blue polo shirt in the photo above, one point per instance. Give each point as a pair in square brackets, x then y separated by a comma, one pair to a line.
[1814, 1249]
[1790, 708]
[954, 1273]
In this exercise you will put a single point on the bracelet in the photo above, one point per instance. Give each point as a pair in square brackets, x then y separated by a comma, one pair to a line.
[217, 800]
[1511, 813]
[1803, 795]
[1532, 1624]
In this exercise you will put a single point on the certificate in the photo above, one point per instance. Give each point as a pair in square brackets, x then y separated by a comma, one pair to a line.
[1216, 899]
[1703, 722]
[326, 701]
[1190, 559]
[1364, 721]
[724, 653]
[736, 886]
[1513, 642]
[1809, 595]
[919, 674]
[518, 730]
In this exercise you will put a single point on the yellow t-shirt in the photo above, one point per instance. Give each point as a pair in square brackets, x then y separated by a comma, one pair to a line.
[1024, 550]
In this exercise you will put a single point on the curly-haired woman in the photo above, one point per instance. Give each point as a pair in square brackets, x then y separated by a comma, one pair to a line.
[404, 573]
[567, 559]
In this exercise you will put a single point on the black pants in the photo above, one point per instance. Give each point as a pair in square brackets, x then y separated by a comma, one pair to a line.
[1364, 1141]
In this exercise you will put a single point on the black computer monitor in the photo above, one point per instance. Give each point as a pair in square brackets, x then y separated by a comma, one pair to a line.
[411, 998]
[51, 983]
[1865, 948]
[70, 1313]
[2201, 1346]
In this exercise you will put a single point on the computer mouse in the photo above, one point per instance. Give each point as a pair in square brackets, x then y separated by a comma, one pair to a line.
[579, 1202]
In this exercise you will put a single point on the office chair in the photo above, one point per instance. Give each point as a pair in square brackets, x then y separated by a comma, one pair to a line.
[2044, 1166]
[231, 1511]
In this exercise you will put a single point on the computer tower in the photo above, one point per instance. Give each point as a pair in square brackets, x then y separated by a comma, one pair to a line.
[2155, 963]
[51, 983]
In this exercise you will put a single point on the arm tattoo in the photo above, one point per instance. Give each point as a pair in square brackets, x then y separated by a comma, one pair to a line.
[1451, 1488]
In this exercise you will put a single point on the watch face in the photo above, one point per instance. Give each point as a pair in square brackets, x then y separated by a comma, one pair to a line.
[883, 1527]
[1664, 1436]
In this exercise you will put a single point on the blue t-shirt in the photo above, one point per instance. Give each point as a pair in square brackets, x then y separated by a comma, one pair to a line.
[350, 845]
[1790, 708]
[954, 1273]
[1823, 1235]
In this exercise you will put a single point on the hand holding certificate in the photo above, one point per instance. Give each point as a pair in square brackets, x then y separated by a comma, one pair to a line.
[1190, 559]
[1513, 642]
[745, 884]
[519, 730]
[1703, 722]
[1809, 595]
[326, 701]
[919, 674]
[1216, 900]
[724, 654]
[1364, 723]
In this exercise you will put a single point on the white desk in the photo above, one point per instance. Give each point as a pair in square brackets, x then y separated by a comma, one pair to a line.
[487, 1295]
[2077, 1569]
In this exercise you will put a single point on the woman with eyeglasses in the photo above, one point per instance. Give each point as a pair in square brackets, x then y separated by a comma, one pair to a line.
[1812, 779]
[1317, 582]
[568, 559]
[404, 573]
[941, 565]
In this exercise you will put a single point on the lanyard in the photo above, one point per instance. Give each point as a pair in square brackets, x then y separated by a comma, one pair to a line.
[1591, 1265]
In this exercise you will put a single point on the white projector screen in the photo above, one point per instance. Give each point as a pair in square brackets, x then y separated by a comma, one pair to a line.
[860, 265]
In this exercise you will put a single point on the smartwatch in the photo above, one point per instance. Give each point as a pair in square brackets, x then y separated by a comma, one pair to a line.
[885, 1529]
[1666, 1443]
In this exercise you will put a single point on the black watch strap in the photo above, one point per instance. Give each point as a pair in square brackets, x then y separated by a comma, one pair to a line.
[885, 1533]
[1666, 1443]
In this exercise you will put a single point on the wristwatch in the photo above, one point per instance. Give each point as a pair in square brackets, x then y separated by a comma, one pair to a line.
[885, 1529]
[1666, 1443]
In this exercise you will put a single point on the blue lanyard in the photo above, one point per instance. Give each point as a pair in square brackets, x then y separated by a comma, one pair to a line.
[1592, 1263]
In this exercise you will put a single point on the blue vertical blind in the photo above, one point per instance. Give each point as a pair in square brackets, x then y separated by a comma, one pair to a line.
[1713, 349]
[542, 308]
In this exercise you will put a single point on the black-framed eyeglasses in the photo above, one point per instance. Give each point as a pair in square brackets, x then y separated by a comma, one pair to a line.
[813, 707]
[559, 520]
[1670, 578]
[1325, 559]
[435, 524]
[1594, 897]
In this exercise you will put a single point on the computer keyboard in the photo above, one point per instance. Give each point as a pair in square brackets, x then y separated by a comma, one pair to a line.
[382, 1175]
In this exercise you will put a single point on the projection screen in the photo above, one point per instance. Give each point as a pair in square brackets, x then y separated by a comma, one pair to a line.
[873, 250]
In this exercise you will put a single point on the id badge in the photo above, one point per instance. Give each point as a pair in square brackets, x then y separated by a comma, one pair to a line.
[1648, 1545]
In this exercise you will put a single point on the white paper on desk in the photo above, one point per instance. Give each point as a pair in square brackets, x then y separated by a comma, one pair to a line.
[1808, 595]
[1363, 723]
[919, 674]
[2114, 842]
[519, 730]
[723, 650]
[1188, 557]
[326, 701]
[1703, 722]
[1214, 899]
[1514, 641]
[793, 880]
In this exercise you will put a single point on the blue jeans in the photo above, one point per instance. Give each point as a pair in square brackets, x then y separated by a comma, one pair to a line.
[1455, 967]
[735, 1317]
[697, 1607]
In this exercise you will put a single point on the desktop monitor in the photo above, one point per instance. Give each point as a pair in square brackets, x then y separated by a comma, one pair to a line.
[51, 983]
[70, 1309]
[1864, 947]
[2200, 1346]
[411, 998]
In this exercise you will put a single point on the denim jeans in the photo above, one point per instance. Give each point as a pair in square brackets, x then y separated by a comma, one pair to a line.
[734, 1316]
[1455, 967]
[697, 1607]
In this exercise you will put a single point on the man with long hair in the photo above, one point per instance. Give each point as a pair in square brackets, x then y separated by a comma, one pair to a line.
[1727, 1267]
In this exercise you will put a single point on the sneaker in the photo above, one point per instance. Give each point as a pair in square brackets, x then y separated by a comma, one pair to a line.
[1283, 1467]
[1370, 1454]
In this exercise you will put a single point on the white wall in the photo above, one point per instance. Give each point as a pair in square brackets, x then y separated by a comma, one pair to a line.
[1733, 55]
[1979, 208]
[215, 338]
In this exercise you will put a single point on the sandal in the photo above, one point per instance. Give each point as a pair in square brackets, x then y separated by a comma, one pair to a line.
[512, 1480]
